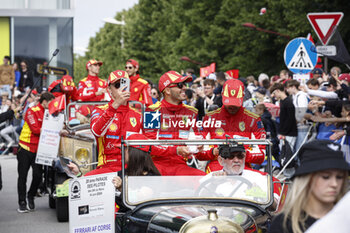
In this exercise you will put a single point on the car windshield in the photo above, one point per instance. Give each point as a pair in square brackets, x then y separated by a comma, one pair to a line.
[250, 186]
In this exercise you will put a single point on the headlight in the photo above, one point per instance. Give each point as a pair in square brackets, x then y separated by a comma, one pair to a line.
[82, 155]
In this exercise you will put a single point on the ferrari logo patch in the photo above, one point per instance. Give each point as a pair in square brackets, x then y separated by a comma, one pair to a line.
[241, 126]
[133, 121]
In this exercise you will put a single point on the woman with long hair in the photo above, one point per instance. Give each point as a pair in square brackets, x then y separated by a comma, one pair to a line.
[140, 163]
[319, 183]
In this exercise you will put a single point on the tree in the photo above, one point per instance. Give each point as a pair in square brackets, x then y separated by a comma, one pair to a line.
[158, 32]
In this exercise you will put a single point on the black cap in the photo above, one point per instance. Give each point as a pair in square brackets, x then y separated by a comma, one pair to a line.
[317, 71]
[319, 155]
[226, 150]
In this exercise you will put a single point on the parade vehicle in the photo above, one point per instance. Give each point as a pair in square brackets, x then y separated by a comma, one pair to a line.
[233, 203]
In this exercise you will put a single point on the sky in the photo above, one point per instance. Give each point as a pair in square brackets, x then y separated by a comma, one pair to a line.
[89, 15]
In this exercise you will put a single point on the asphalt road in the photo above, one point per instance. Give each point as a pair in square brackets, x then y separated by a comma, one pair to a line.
[43, 219]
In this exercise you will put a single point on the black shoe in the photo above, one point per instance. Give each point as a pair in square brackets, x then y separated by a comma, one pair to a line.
[31, 205]
[22, 207]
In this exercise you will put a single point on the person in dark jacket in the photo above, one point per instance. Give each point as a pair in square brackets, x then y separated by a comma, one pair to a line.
[319, 183]
[270, 127]
[288, 130]
[27, 77]
[207, 100]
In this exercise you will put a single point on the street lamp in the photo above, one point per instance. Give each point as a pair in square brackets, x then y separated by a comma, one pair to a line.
[252, 26]
[116, 22]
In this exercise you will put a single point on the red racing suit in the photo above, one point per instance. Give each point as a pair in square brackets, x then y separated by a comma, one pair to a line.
[243, 125]
[175, 124]
[55, 89]
[30, 134]
[88, 87]
[140, 90]
[109, 125]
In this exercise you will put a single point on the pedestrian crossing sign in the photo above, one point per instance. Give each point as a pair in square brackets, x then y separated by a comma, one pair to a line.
[300, 56]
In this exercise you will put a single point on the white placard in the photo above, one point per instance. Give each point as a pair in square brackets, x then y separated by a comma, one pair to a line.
[92, 204]
[49, 138]
[302, 78]
[327, 50]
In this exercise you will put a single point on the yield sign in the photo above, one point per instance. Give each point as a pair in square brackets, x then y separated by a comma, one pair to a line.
[324, 23]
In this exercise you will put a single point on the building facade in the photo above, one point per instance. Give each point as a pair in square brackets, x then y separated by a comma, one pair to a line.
[32, 30]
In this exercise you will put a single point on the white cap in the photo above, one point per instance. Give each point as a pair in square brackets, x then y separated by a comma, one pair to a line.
[262, 77]
[212, 76]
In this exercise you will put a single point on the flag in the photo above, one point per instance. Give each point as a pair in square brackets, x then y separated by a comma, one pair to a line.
[58, 104]
[205, 71]
[233, 73]
[342, 53]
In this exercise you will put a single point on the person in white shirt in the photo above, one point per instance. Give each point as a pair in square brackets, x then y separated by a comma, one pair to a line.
[300, 101]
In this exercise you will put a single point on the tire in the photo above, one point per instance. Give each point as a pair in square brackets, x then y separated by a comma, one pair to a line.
[52, 202]
[62, 209]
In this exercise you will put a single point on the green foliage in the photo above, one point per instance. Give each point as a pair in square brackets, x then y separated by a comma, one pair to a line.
[158, 33]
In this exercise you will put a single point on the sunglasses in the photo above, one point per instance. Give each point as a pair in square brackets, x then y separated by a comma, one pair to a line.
[128, 67]
[179, 85]
[239, 155]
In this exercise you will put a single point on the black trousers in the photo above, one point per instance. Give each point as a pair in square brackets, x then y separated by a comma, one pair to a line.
[26, 159]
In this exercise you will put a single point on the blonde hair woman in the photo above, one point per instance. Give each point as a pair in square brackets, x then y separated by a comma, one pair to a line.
[319, 183]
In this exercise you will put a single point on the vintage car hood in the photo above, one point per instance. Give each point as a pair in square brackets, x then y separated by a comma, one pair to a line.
[171, 218]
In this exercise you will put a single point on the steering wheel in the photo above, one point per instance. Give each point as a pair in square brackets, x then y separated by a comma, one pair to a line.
[211, 184]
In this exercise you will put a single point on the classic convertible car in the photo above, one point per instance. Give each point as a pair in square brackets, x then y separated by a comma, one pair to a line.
[198, 203]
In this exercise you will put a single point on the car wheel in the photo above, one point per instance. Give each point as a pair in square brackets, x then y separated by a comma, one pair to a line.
[52, 202]
[62, 209]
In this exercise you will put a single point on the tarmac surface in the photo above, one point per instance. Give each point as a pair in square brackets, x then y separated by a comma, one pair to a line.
[43, 219]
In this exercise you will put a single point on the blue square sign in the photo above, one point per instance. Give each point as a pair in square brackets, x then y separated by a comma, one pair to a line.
[151, 120]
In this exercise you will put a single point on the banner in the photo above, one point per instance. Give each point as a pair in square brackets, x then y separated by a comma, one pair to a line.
[205, 71]
[58, 104]
[49, 138]
[233, 73]
[92, 204]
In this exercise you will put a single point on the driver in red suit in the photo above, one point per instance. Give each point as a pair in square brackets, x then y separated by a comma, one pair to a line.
[236, 123]
[111, 122]
[92, 88]
[140, 89]
[174, 124]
